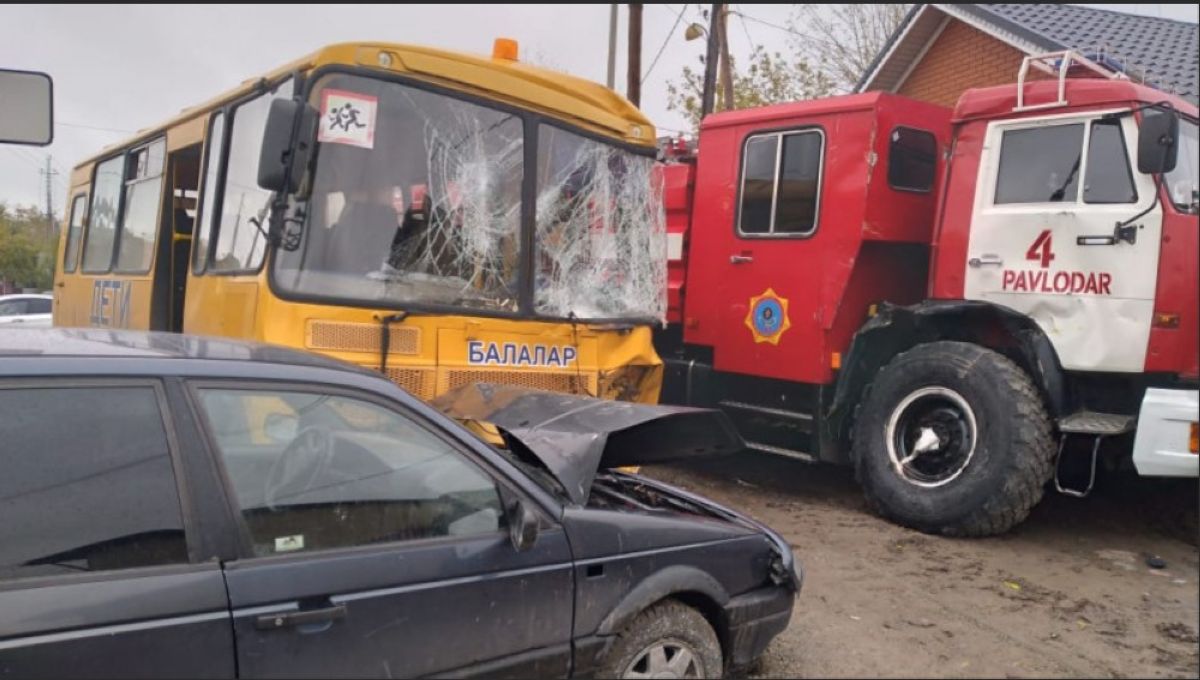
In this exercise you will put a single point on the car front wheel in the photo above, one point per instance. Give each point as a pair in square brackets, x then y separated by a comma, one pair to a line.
[668, 640]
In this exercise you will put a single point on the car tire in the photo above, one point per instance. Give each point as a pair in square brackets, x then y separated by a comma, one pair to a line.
[953, 438]
[669, 637]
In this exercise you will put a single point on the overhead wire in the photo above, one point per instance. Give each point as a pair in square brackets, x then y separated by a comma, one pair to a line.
[666, 41]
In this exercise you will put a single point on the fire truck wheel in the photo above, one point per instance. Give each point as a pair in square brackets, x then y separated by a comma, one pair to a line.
[953, 438]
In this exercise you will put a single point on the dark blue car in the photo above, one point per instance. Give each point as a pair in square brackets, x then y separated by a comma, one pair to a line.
[182, 506]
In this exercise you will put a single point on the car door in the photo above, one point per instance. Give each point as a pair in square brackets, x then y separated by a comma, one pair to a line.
[376, 545]
[96, 573]
[1051, 192]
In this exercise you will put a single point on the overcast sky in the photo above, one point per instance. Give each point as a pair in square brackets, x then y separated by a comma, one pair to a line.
[120, 68]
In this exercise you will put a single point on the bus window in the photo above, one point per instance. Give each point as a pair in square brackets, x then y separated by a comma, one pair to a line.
[71, 252]
[102, 218]
[212, 164]
[139, 222]
[240, 244]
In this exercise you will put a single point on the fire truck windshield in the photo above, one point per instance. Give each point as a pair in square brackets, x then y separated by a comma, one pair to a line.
[417, 198]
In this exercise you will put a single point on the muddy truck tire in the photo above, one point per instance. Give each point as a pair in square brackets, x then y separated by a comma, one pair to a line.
[953, 438]
[667, 640]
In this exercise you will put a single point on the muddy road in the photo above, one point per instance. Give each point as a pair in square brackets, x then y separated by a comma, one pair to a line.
[1067, 593]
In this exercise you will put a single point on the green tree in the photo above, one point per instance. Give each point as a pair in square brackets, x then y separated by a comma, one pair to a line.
[26, 253]
[770, 78]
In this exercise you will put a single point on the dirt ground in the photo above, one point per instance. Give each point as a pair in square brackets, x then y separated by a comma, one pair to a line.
[1067, 593]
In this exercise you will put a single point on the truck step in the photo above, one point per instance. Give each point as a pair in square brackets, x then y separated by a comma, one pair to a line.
[780, 451]
[766, 410]
[1095, 423]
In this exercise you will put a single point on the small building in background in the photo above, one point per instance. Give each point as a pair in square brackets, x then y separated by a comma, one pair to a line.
[941, 50]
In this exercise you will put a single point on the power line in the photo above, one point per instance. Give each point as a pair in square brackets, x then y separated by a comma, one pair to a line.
[26, 159]
[785, 29]
[742, 18]
[678, 18]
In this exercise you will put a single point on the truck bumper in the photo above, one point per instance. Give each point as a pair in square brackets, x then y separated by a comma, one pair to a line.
[1161, 447]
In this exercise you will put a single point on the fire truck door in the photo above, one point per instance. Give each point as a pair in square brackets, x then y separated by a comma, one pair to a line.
[1045, 237]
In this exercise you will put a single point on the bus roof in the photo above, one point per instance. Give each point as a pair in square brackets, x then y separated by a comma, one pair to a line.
[557, 94]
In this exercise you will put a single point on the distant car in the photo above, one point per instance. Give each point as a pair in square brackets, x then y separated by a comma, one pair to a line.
[26, 309]
[178, 506]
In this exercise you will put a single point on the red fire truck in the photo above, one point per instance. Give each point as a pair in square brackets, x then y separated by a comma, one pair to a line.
[961, 304]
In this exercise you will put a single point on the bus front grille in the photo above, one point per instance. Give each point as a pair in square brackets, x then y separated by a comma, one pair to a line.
[572, 383]
[360, 337]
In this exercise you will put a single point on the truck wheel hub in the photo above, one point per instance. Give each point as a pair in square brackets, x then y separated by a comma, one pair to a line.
[931, 436]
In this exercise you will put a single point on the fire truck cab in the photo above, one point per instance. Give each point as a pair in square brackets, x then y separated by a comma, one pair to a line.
[961, 304]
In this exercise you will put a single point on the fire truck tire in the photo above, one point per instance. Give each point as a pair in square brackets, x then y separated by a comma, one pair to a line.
[953, 438]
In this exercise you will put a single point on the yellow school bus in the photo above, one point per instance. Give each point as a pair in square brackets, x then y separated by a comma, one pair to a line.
[441, 217]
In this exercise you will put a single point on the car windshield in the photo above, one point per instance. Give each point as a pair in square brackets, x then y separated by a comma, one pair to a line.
[420, 197]
[1182, 182]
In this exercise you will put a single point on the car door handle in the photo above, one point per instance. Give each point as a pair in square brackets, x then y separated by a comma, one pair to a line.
[740, 259]
[986, 260]
[300, 618]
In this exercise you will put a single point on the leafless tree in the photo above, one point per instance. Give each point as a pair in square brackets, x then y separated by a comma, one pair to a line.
[842, 40]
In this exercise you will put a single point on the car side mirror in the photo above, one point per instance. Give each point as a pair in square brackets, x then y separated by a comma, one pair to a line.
[1158, 141]
[281, 163]
[26, 108]
[523, 526]
[281, 428]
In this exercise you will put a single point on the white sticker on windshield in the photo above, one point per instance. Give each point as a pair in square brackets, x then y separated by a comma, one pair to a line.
[347, 118]
[289, 543]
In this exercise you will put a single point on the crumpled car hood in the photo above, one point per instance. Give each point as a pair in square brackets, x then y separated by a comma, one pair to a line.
[574, 436]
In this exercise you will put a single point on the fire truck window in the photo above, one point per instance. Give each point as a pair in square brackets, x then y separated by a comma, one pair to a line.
[912, 159]
[1040, 165]
[1109, 179]
[758, 184]
[799, 179]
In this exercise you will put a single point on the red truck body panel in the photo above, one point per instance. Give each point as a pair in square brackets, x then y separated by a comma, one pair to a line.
[870, 242]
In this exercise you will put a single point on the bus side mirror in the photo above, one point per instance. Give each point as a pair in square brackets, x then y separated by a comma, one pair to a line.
[26, 108]
[281, 163]
[1158, 141]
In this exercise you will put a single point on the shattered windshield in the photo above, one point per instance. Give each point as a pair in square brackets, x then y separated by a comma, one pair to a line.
[601, 231]
[416, 197]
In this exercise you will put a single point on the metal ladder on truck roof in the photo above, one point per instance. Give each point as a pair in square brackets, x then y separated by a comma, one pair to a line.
[1046, 64]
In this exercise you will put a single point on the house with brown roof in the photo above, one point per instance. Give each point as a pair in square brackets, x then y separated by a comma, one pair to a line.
[940, 50]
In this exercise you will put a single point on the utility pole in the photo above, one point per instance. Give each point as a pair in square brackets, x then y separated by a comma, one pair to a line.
[710, 64]
[612, 46]
[634, 76]
[49, 174]
[726, 64]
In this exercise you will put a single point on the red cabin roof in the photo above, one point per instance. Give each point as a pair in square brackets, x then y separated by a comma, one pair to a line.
[998, 101]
